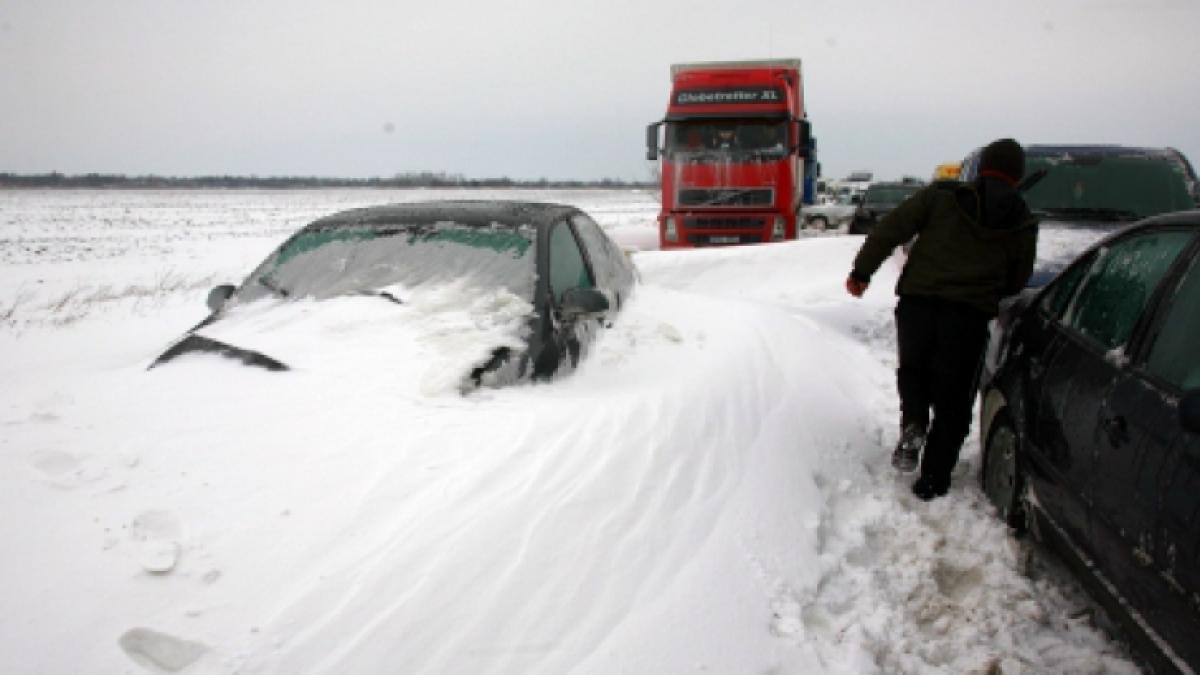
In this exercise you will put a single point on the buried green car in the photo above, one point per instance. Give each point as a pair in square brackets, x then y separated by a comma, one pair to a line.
[569, 274]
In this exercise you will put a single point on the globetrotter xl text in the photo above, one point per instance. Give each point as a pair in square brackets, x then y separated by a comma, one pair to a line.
[743, 95]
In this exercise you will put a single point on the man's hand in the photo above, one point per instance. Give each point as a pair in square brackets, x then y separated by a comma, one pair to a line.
[855, 287]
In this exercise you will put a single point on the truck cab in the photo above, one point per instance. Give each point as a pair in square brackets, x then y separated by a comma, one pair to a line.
[738, 158]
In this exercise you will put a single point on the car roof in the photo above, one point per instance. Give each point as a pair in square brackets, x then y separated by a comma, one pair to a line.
[1096, 150]
[472, 213]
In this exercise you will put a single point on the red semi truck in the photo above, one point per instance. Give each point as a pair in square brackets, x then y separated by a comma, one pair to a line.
[738, 157]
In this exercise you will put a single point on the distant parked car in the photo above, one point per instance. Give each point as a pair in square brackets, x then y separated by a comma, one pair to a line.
[1090, 427]
[832, 214]
[552, 260]
[878, 200]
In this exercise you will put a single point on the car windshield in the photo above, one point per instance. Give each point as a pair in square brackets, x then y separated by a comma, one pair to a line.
[1106, 188]
[327, 260]
[726, 139]
[892, 194]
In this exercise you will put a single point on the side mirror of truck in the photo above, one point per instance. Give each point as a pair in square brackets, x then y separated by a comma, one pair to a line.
[652, 141]
[803, 134]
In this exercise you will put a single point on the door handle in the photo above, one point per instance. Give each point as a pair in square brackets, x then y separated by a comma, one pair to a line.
[1116, 429]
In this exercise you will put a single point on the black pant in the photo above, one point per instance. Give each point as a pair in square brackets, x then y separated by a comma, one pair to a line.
[941, 344]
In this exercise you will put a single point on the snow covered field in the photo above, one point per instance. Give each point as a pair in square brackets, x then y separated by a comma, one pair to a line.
[709, 492]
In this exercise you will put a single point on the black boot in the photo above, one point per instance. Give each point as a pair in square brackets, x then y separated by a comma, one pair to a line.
[908, 450]
[927, 488]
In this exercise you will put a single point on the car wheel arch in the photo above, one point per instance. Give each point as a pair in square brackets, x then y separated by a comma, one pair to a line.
[1002, 472]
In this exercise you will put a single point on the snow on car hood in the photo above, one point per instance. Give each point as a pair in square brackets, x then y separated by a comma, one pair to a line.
[431, 340]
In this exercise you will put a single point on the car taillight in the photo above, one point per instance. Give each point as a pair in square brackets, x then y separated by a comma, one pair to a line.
[777, 230]
[669, 231]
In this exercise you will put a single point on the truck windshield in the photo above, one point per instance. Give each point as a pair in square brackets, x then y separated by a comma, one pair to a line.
[721, 140]
[1106, 187]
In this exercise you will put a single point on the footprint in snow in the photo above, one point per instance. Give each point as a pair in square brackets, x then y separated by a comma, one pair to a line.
[160, 652]
[158, 532]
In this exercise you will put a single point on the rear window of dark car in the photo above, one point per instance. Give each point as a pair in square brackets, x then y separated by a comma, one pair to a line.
[889, 194]
[331, 260]
[1139, 186]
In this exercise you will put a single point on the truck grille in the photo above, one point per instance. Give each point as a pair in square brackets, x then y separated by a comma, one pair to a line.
[727, 197]
[724, 230]
[726, 223]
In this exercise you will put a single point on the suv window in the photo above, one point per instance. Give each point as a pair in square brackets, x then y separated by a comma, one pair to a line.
[567, 269]
[1106, 187]
[889, 194]
[1174, 356]
[1120, 282]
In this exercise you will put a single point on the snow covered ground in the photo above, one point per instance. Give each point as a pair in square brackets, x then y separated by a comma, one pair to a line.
[709, 492]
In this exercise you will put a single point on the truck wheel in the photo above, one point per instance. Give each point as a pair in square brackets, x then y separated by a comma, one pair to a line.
[818, 223]
[1003, 483]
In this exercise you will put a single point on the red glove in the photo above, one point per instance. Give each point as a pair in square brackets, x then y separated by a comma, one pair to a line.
[855, 287]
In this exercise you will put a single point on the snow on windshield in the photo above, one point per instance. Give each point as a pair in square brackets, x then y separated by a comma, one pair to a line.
[327, 261]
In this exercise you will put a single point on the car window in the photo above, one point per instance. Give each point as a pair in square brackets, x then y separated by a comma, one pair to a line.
[612, 267]
[567, 268]
[1100, 186]
[1119, 284]
[1054, 302]
[1174, 356]
[326, 260]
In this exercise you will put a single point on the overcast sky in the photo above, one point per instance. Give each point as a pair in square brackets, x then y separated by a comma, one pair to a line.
[562, 89]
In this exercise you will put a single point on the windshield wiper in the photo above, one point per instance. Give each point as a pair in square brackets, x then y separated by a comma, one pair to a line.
[382, 294]
[274, 287]
[1089, 212]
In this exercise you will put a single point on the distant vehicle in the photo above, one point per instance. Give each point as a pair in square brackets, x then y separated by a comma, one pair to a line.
[947, 171]
[739, 159]
[1090, 427]
[878, 200]
[553, 260]
[832, 214]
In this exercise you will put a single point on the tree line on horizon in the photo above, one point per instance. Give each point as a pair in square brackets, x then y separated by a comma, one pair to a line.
[420, 179]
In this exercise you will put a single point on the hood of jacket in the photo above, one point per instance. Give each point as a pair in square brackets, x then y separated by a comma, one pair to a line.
[994, 207]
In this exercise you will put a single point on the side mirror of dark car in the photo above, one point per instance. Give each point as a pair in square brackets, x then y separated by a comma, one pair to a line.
[218, 296]
[1189, 411]
[583, 301]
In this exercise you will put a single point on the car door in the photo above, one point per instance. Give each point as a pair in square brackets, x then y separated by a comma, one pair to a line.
[1161, 518]
[1053, 470]
[1098, 326]
[567, 268]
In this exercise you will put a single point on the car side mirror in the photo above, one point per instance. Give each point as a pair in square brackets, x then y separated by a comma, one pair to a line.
[1189, 411]
[218, 296]
[583, 301]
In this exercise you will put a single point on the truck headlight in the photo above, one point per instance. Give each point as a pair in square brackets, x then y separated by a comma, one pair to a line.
[778, 229]
[669, 231]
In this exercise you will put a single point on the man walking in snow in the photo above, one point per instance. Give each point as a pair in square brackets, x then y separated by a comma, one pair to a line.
[975, 243]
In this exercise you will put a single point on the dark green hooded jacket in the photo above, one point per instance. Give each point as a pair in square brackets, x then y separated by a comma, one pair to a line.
[975, 243]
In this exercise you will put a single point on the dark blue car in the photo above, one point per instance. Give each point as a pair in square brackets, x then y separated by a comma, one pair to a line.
[1090, 427]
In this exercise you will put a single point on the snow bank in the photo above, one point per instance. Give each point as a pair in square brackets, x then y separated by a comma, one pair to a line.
[708, 491]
